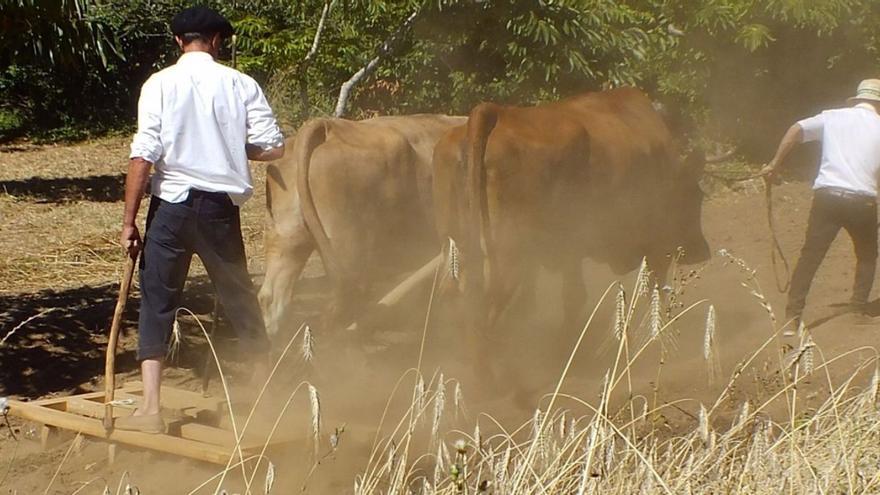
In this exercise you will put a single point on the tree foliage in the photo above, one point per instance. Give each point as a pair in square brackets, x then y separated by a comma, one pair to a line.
[725, 64]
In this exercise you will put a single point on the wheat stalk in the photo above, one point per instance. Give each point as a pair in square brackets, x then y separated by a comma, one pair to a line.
[453, 260]
[478, 437]
[704, 425]
[538, 434]
[439, 405]
[742, 417]
[710, 348]
[419, 396]
[807, 358]
[308, 344]
[439, 467]
[458, 399]
[315, 403]
[643, 280]
[620, 313]
[709, 336]
[270, 478]
[655, 322]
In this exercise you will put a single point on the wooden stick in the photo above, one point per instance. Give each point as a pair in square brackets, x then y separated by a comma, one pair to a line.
[421, 276]
[110, 362]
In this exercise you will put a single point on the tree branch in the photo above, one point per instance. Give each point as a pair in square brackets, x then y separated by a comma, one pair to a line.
[328, 4]
[304, 65]
[384, 51]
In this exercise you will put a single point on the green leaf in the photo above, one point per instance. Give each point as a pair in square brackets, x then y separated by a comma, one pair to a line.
[754, 36]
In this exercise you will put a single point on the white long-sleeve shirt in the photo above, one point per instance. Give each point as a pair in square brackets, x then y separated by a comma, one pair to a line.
[850, 148]
[194, 119]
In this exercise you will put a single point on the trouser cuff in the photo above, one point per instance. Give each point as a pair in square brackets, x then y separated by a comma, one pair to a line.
[152, 352]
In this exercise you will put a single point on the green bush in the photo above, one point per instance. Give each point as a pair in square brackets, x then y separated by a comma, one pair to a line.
[10, 124]
[733, 70]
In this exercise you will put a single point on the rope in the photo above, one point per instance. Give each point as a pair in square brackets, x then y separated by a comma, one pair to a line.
[777, 256]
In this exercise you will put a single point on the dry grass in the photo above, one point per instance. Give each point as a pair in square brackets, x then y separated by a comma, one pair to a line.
[614, 446]
[61, 213]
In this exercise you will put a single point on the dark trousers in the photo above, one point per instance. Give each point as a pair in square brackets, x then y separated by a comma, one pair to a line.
[832, 210]
[207, 224]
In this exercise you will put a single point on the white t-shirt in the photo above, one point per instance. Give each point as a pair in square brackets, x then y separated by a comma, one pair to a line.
[194, 119]
[850, 148]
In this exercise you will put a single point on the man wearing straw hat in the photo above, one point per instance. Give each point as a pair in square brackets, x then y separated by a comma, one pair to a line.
[198, 124]
[845, 193]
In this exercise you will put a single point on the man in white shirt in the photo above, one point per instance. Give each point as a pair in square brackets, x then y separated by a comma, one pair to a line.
[198, 124]
[845, 192]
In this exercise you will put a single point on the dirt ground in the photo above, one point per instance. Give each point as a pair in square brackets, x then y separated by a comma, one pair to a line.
[60, 208]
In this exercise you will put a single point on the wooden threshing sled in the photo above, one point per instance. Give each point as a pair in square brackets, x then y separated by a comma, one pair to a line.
[196, 431]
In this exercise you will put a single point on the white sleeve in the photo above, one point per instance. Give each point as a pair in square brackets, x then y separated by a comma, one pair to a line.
[147, 143]
[813, 128]
[262, 128]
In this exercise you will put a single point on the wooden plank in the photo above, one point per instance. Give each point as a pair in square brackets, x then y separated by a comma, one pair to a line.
[129, 390]
[49, 437]
[253, 440]
[217, 436]
[189, 403]
[56, 400]
[94, 408]
[93, 427]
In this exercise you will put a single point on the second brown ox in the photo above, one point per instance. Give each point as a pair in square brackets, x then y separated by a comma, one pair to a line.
[360, 193]
[596, 175]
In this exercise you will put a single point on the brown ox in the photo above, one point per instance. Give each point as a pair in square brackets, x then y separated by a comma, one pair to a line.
[596, 175]
[359, 193]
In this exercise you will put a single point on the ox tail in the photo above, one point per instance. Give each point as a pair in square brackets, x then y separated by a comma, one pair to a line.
[311, 135]
[481, 122]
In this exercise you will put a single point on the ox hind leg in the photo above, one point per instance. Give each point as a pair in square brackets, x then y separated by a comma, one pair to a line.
[356, 254]
[286, 257]
[487, 310]
[574, 295]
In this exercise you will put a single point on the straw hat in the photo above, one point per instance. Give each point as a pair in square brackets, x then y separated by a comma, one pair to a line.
[869, 90]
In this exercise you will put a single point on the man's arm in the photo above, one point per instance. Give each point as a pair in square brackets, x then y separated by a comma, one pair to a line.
[264, 139]
[146, 149]
[792, 137]
[135, 185]
[260, 155]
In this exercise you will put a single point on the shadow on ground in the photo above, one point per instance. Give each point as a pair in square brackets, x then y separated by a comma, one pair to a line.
[872, 311]
[61, 349]
[99, 188]
[62, 346]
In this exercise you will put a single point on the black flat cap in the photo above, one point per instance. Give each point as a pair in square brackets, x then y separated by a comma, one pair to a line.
[201, 20]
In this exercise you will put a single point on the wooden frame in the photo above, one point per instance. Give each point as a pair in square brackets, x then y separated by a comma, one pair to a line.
[194, 434]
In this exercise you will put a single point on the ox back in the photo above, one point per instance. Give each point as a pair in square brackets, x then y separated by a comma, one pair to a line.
[358, 192]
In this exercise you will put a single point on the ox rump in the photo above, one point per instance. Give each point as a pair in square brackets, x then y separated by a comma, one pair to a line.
[593, 176]
[358, 192]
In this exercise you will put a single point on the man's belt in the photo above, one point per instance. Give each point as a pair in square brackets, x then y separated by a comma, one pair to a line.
[841, 192]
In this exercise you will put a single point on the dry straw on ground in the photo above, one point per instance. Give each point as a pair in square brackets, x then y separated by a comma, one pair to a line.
[832, 449]
[61, 211]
